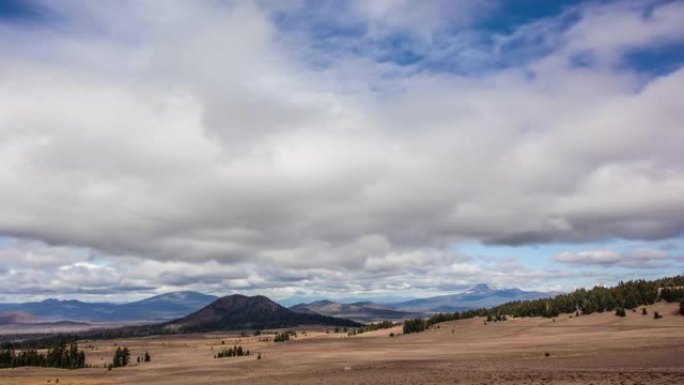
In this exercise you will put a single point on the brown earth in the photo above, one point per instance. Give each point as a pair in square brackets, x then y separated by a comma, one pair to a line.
[599, 349]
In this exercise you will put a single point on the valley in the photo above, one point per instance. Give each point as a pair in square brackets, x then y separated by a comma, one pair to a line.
[601, 349]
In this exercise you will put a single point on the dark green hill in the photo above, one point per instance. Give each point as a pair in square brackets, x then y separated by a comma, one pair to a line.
[237, 311]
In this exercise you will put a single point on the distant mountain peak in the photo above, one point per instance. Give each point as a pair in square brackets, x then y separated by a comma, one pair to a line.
[59, 301]
[323, 302]
[50, 300]
[364, 311]
[479, 296]
[480, 288]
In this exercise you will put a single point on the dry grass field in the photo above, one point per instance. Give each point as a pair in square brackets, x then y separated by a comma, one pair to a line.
[599, 349]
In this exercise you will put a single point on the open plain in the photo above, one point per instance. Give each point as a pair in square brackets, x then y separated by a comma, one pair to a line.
[594, 349]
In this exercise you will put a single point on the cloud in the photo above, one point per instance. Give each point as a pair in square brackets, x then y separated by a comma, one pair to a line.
[639, 259]
[18, 253]
[202, 138]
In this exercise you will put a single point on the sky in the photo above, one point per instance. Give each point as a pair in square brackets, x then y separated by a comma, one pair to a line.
[338, 149]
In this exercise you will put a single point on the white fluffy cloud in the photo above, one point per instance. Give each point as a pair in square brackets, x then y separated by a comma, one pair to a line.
[195, 135]
[638, 259]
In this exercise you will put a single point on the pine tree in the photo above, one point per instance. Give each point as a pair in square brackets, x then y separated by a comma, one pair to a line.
[126, 354]
[116, 361]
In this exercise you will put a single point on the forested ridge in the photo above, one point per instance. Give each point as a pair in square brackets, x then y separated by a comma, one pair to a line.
[625, 295]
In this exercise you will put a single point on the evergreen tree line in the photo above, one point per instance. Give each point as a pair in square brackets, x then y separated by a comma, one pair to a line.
[626, 295]
[415, 325]
[419, 324]
[672, 294]
[371, 327]
[60, 355]
[235, 351]
[24, 342]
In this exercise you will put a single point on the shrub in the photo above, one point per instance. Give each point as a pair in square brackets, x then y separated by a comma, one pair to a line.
[620, 312]
[657, 315]
[644, 311]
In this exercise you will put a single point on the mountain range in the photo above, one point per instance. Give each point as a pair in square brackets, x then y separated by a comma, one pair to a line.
[359, 311]
[162, 307]
[175, 305]
[479, 296]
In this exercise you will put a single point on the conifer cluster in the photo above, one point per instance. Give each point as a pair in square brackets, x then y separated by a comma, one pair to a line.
[235, 351]
[59, 355]
[122, 357]
[284, 336]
